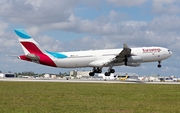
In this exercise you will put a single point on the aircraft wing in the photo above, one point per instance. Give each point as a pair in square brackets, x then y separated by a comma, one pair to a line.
[121, 57]
[126, 52]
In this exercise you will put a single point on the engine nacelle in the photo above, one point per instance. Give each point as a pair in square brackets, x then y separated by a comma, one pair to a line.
[134, 61]
[133, 64]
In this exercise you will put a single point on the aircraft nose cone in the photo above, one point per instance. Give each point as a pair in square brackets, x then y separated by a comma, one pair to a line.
[170, 53]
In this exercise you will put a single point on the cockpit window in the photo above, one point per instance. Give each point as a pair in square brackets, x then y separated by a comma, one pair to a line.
[169, 51]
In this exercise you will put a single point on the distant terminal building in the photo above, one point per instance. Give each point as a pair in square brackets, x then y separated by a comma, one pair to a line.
[79, 74]
[111, 77]
[154, 78]
[7, 75]
[48, 76]
[158, 78]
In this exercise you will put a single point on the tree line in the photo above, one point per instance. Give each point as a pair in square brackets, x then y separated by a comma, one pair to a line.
[31, 73]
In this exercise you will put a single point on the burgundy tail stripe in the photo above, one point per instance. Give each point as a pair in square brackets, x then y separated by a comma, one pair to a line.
[44, 59]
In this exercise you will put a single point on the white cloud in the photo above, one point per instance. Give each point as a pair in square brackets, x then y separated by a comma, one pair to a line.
[166, 6]
[49, 43]
[3, 27]
[97, 26]
[39, 12]
[36, 12]
[127, 2]
[165, 23]
[35, 3]
[33, 30]
[7, 40]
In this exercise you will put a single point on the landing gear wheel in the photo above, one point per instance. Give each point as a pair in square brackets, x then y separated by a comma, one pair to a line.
[107, 73]
[159, 66]
[97, 70]
[112, 71]
[91, 74]
[125, 61]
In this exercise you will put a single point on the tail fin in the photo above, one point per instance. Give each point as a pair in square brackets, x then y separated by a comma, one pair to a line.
[33, 51]
[28, 44]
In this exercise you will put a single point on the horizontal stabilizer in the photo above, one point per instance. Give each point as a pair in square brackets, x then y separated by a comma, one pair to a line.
[32, 57]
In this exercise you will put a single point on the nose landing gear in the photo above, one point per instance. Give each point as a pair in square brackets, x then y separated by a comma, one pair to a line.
[159, 64]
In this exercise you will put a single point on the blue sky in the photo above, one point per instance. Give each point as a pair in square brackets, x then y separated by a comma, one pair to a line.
[102, 24]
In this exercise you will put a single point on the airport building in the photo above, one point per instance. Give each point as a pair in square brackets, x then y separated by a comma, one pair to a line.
[7, 75]
[124, 77]
[48, 76]
[79, 74]
[75, 74]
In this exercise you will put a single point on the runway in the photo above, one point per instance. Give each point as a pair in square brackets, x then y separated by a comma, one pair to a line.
[81, 81]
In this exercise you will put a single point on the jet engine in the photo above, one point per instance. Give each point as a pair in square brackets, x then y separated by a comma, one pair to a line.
[133, 61]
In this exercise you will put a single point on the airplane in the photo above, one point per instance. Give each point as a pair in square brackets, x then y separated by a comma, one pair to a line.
[97, 59]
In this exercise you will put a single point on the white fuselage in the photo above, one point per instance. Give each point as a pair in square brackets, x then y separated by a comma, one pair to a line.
[96, 58]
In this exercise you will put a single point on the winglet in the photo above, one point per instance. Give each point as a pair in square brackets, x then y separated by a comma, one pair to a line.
[21, 33]
[125, 46]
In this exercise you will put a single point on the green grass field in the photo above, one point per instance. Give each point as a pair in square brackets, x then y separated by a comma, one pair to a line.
[42, 97]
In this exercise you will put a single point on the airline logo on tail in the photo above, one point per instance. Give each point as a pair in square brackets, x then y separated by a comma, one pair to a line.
[33, 51]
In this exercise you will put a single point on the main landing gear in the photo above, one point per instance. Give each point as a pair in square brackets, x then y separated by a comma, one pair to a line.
[110, 70]
[99, 70]
[159, 64]
[95, 70]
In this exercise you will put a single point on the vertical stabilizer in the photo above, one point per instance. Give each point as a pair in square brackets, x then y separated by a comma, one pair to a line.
[33, 51]
[28, 44]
